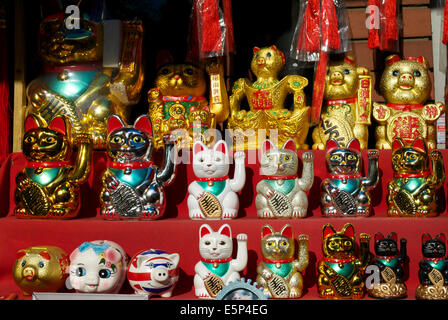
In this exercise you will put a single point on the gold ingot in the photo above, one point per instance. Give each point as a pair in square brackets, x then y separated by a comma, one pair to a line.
[348, 105]
[406, 85]
[266, 98]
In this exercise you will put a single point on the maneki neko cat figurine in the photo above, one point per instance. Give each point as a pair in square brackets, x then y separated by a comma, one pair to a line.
[389, 259]
[279, 273]
[345, 192]
[48, 186]
[406, 85]
[133, 187]
[212, 194]
[340, 271]
[178, 103]
[413, 190]
[433, 269]
[348, 105]
[89, 72]
[217, 268]
[266, 97]
[280, 193]
[98, 267]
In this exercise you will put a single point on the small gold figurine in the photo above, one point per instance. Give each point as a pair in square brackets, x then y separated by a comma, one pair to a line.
[177, 105]
[40, 269]
[48, 186]
[412, 191]
[340, 271]
[266, 98]
[348, 105]
[88, 73]
[406, 85]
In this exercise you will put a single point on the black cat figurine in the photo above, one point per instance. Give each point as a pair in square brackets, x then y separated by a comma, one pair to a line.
[389, 259]
[433, 269]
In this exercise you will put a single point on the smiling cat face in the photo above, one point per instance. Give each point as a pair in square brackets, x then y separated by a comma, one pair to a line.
[215, 245]
[210, 163]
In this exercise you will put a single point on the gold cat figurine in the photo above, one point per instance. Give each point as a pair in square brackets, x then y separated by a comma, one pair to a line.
[48, 186]
[266, 97]
[346, 114]
[178, 105]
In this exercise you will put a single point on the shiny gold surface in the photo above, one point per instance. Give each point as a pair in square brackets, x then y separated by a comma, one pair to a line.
[266, 97]
[405, 86]
[348, 105]
[40, 269]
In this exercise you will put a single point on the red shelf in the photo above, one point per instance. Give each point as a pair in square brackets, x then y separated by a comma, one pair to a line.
[176, 233]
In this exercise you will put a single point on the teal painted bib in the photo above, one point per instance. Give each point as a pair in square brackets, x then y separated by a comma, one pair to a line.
[47, 175]
[135, 178]
[283, 271]
[220, 270]
[286, 187]
[347, 270]
[216, 188]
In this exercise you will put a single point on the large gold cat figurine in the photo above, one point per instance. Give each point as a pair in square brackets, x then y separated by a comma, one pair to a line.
[266, 97]
[178, 105]
[48, 186]
[348, 105]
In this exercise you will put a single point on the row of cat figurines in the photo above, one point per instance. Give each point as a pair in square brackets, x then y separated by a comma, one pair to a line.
[134, 188]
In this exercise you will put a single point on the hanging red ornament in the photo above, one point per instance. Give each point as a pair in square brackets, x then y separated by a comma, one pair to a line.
[5, 109]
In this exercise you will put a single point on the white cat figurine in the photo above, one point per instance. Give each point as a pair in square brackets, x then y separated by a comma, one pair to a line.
[280, 193]
[213, 195]
[217, 268]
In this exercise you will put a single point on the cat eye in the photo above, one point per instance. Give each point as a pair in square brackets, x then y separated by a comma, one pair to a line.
[222, 243]
[417, 73]
[412, 156]
[207, 243]
[284, 243]
[268, 55]
[41, 264]
[50, 140]
[270, 243]
[165, 71]
[335, 157]
[104, 273]
[395, 73]
[30, 139]
[347, 243]
[23, 263]
[351, 157]
[137, 139]
[286, 158]
[189, 71]
[117, 140]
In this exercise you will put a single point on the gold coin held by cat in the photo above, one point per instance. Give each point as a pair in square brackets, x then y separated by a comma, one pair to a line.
[210, 206]
[213, 284]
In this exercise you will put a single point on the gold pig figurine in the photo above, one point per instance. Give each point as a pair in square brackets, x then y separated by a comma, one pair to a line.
[266, 97]
[48, 186]
[40, 269]
[348, 105]
[406, 85]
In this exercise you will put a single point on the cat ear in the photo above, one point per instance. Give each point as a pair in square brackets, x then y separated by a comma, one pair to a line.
[58, 125]
[287, 231]
[378, 236]
[204, 230]
[393, 236]
[225, 231]
[221, 146]
[354, 145]
[397, 144]
[266, 146]
[114, 123]
[290, 145]
[419, 144]
[198, 146]
[266, 231]
[349, 231]
[426, 237]
[327, 230]
[31, 123]
[143, 123]
[331, 145]
[441, 237]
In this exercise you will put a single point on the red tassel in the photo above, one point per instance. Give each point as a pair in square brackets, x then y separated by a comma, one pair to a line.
[445, 24]
[374, 40]
[210, 29]
[330, 34]
[389, 28]
[230, 42]
[5, 110]
[319, 86]
[309, 35]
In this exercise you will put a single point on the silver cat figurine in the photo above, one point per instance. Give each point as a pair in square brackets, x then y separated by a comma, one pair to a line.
[280, 193]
